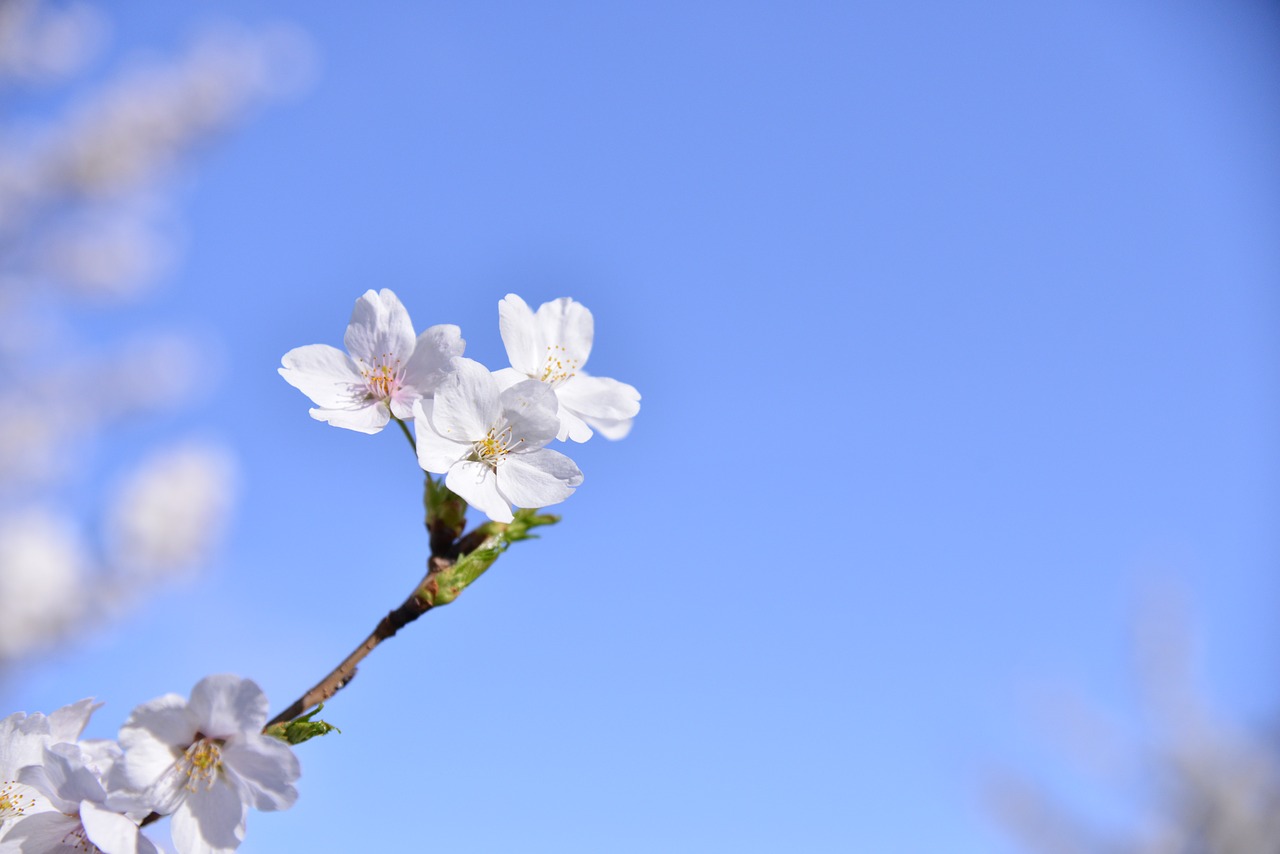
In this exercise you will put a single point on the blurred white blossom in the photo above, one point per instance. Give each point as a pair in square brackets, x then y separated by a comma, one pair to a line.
[43, 570]
[171, 511]
[37, 41]
[87, 223]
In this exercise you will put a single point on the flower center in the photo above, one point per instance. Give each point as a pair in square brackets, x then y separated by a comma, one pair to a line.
[496, 444]
[12, 802]
[201, 762]
[557, 367]
[382, 378]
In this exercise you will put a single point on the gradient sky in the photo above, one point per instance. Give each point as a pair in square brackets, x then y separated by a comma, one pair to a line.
[956, 326]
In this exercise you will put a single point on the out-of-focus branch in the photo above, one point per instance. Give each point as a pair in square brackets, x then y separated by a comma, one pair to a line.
[1207, 788]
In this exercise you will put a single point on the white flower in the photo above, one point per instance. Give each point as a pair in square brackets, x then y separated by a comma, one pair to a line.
[205, 760]
[490, 444]
[387, 371]
[551, 347]
[78, 819]
[23, 739]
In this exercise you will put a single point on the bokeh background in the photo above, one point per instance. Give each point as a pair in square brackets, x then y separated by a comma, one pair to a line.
[956, 327]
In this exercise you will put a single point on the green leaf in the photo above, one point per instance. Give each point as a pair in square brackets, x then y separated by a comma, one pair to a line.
[301, 729]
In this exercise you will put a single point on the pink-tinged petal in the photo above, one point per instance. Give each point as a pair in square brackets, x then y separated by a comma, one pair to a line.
[211, 821]
[369, 418]
[224, 705]
[599, 397]
[432, 358]
[67, 723]
[325, 374]
[467, 403]
[538, 479]
[476, 484]
[435, 453]
[520, 335]
[529, 408]
[611, 429]
[568, 325]
[108, 830]
[266, 767]
[379, 327]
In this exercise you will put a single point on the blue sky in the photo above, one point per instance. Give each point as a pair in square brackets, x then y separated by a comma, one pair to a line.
[956, 330]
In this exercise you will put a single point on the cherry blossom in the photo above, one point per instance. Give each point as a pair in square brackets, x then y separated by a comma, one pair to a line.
[552, 347]
[78, 818]
[386, 371]
[490, 443]
[23, 739]
[205, 760]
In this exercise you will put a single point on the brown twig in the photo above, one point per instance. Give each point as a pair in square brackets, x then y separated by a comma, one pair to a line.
[412, 608]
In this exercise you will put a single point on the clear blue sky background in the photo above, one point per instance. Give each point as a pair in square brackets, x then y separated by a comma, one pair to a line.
[956, 324]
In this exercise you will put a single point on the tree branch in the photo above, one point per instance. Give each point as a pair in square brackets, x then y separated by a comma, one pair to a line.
[411, 609]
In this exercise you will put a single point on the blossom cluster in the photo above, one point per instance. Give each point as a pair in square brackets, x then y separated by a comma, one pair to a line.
[204, 761]
[486, 431]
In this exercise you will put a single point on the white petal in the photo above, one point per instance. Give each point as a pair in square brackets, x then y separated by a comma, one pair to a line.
[67, 723]
[63, 777]
[507, 377]
[224, 705]
[153, 738]
[520, 335]
[538, 479]
[568, 324]
[267, 767]
[164, 718]
[210, 821]
[47, 782]
[22, 741]
[168, 792]
[476, 484]
[529, 407]
[467, 403]
[401, 405]
[108, 830]
[100, 754]
[599, 397]
[571, 426]
[369, 418]
[435, 453]
[379, 327]
[42, 832]
[432, 359]
[611, 428]
[325, 374]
